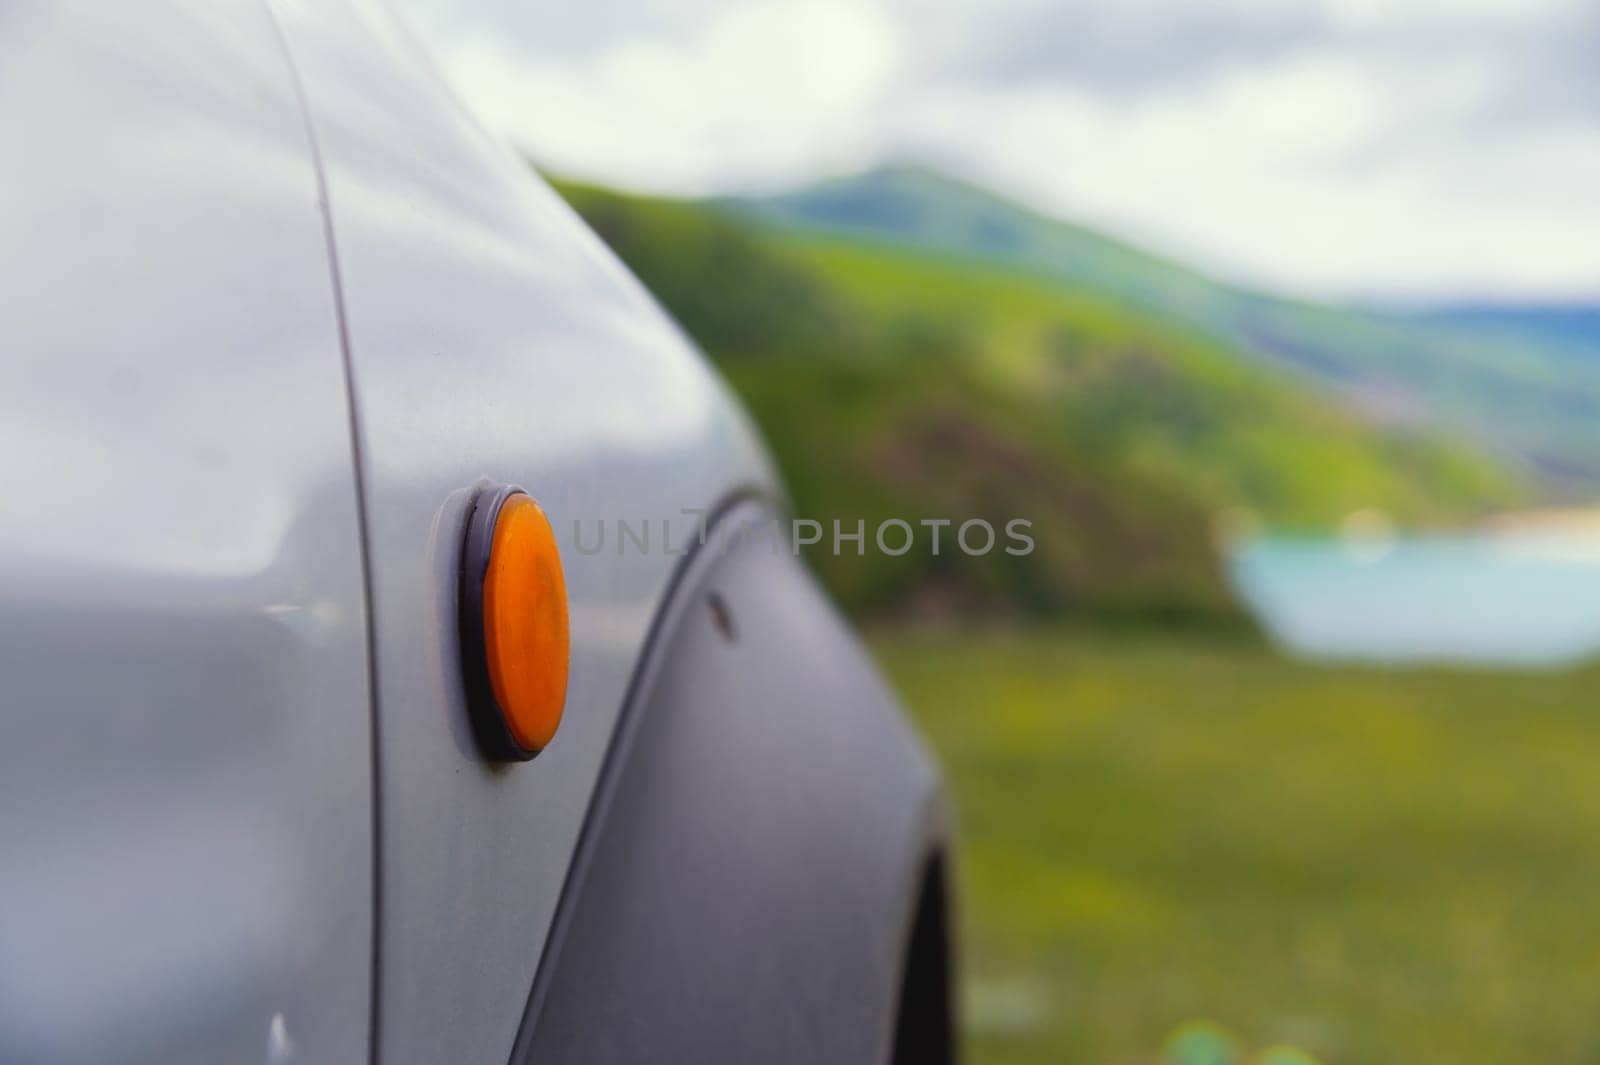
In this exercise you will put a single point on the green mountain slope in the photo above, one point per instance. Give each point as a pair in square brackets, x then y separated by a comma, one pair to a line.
[895, 384]
[1530, 389]
[923, 209]
[1171, 403]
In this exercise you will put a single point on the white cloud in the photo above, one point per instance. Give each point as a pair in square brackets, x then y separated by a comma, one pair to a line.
[1313, 175]
[759, 92]
[1401, 146]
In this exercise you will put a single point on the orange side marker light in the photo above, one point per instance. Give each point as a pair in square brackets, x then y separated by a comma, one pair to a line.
[515, 643]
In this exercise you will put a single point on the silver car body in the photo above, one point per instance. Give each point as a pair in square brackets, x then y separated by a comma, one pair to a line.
[275, 309]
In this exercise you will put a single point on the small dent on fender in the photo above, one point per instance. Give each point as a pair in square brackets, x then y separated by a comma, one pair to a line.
[722, 618]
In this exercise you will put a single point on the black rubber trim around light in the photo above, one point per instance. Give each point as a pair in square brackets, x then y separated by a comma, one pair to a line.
[488, 719]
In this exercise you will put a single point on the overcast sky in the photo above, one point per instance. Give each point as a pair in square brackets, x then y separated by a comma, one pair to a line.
[1392, 148]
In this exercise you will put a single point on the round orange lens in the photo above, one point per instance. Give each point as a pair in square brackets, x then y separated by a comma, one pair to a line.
[525, 632]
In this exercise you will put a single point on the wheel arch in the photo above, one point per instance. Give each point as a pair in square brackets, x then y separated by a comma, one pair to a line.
[751, 879]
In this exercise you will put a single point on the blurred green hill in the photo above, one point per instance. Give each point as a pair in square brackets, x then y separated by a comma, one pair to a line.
[1522, 380]
[909, 378]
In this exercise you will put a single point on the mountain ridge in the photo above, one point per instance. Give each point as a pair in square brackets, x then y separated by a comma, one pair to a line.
[1520, 383]
[893, 384]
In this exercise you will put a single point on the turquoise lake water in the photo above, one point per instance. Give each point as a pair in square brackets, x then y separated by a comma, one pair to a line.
[1511, 599]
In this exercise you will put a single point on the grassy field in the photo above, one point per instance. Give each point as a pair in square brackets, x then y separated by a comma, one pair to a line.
[1375, 866]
